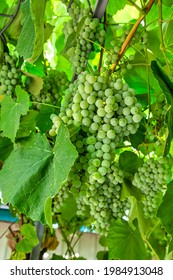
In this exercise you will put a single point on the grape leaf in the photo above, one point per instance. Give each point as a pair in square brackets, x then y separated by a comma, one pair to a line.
[64, 155]
[114, 6]
[167, 87]
[33, 34]
[139, 137]
[125, 242]
[136, 212]
[71, 42]
[25, 43]
[11, 112]
[129, 162]
[29, 240]
[171, 245]
[6, 148]
[48, 211]
[165, 209]
[25, 166]
[37, 68]
[36, 173]
[37, 13]
[167, 3]
[43, 120]
[27, 124]
[67, 213]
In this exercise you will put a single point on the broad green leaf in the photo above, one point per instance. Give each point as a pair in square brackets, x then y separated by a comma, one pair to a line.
[37, 13]
[125, 242]
[27, 166]
[25, 43]
[35, 83]
[167, 30]
[13, 31]
[4, 9]
[139, 137]
[129, 162]
[37, 68]
[68, 209]
[128, 190]
[154, 43]
[158, 240]
[43, 120]
[167, 3]
[60, 44]
[29, 240]
[165, 210]
[6, 148]
[171, 245]
[71, 42]
[80, 25]
[114, 6]
[36, 173]
[12, 111]
[64, 155]
[32, 37]
[48, 29]
[165, 83]
[48, 211]
[136, 212]
[27, 124]
[17, 256]
[167, 87]
[22, 100]
[137, 78]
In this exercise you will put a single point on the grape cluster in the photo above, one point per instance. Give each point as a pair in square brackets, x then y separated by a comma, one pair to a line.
[151, 179]
[102, 199]
[156, 124]
[54, 85]
[105, 201]
[107, 109]
[76, 11]
[89, 33]
[9, 75]
[105, 112]
[88, 30]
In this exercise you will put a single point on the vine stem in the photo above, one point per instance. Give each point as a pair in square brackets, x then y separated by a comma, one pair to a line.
[89, 5]
[152, 249]
[12, 18]
[162, 45]
[35, 254]
[5, 15]
[146, 9]
[135, 5]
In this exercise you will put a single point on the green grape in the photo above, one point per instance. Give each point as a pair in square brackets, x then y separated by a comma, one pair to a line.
[149, 181]
[54, 85]
[104, 120]
[9, 75]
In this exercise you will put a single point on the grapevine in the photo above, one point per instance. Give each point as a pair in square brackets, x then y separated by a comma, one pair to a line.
[86, 125]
